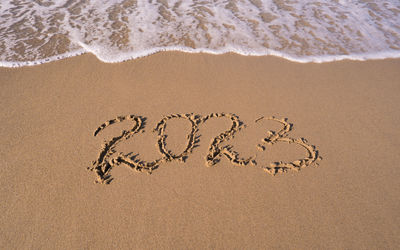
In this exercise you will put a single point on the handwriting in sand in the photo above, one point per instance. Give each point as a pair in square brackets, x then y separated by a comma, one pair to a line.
[108, 157]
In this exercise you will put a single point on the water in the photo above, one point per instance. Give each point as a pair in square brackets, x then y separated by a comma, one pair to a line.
[38, 31]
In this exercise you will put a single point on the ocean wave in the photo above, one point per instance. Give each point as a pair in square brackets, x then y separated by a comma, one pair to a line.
[39, 31]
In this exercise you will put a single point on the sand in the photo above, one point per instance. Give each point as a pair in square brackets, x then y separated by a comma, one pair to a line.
[211, 183]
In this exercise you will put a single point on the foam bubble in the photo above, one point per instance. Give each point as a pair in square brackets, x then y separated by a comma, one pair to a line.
[40, 31]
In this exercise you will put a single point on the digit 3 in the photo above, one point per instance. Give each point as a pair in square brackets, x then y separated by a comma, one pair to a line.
[281, 136]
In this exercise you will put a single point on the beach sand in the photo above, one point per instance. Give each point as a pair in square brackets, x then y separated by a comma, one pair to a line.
[348, 110]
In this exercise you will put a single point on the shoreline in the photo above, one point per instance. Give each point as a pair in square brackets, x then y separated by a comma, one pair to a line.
[394, 54]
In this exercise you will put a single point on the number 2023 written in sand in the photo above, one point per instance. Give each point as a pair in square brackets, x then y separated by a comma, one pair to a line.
[108, 157]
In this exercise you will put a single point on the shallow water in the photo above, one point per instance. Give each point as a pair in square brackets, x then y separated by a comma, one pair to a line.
[37, 31]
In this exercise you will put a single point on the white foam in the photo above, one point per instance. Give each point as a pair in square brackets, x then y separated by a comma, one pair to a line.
[120, 30]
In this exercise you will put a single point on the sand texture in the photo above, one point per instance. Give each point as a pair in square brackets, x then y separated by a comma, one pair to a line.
[200, 151]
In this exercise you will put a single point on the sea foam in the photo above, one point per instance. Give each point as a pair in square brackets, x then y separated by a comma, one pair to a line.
[39, 31]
